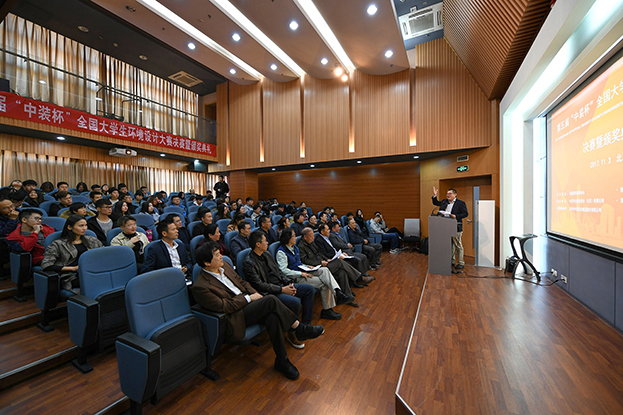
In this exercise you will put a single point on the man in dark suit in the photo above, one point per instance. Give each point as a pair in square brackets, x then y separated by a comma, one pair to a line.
[167, 252]
[269, 232]
[455, 209]
[298, 226]
[218, 288]
[370, 249]
[360, 261]
[240, 242]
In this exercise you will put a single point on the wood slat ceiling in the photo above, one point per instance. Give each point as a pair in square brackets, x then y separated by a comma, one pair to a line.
[492, 37]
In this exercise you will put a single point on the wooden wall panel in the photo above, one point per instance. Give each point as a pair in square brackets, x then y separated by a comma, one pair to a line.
[245, 125]
[451, 111]
[243, 184]
[326, 123]
[281, 122]
[392, 188]
[380, 113]
[222, 127]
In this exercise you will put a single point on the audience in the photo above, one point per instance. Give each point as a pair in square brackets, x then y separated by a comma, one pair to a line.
[387, 229]
[62, 255]
[77, 208]
[359, 260]
[119, 209]
[176, 201]
[47, 187]
[213, 233]
[298, 226]
[114, 195]
[62, 187]
[34, 198]
[149, 209]
[14, 187]
[233, 224]
[393, 238]
[95, 195]
[222, 212]
[370, 249]
[166, 252]
[204, 220]
[313, 222]
[361, 222]
[130, 237]
[265, 227]
[240, 241]
[256, 213]
[81, 187]
[218, 288]
[29, 235]
[64, 200]
[183, 234]
[102, 224]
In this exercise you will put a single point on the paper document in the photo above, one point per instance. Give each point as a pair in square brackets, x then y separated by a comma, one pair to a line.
[308, 268]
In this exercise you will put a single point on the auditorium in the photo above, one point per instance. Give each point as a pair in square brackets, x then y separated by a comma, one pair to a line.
[311, 207]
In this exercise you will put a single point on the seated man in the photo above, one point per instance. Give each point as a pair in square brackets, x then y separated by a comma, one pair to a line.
[129, 237]
[264, 275]
[257, 212]
[371, 250]
[311, 255]
[248, 207]
[323, 217]
[205, 220]
[138, 197]
[177, 202]
[271, 234]
[167, 252]
[77, 208]
[62, 186]
[183, 234]
[386, 228]
[95, 196]
[240, 241]
[394, 240]
[101, 223]
[329, 252]
[289, 261]
[29, 235]
[360, 261]
[123, 190]
[218, 288]
[64, 200]
[298, 226]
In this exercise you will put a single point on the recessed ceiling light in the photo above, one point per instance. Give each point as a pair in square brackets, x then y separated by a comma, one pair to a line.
[312, 165]
[273, 67]
[338, 71]
[162, 154]
[98, 99]
[191, 46]
[41, 81]
[416, 157]
[294, 25]
[115, 44]
[83, 29]
[344, 78]
[232, 71]
[389, 54]
[142, 57]
[324, 61]
[372, 9]
[60, 137]
[273, 169]
[196, 161]
[236, 37]
[358, 161]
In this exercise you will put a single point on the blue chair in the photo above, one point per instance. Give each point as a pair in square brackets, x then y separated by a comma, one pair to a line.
[249, 221]
[48, 198]
[232, 214]
[209, 204]
[97, 315]
[343, 219]
[306, 223]
[48, 292]
[222, 225]
[275, 218]
[174, 209]
[167, 343]
[143, 219]
[21, 272]
[191, 226]
[192, 216]
[309, 211]
[61, 211]
[229, 236]
[344, 235]
[377, 238]
[165, 215]
[273, 249]
[193, 246]
[46, 205]
[44, 214]
[83, 199]
[242, 256]
[116, 231]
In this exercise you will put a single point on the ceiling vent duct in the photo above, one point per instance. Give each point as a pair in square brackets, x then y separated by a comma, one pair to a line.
[185, 79]
[421, 22]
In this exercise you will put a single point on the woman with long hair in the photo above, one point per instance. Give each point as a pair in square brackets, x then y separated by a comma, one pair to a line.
[62, 255]
[81, 187]
[47, 187]
[120, 209]
[148, 208]
[361, 222]
[34, 198]
[213, 233]
[233, 224]
[105, 189]
[222, 212]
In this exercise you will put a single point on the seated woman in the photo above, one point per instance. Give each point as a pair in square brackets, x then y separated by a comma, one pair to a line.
[233, 224]
[149, 209]
[283, 223]
[34, 198]
[361, 222]
[120, 209]
[105, 189]
[81, 187]
[62, 255]
[213, 233]
[222, 212]
[47, 187]
[77, 208]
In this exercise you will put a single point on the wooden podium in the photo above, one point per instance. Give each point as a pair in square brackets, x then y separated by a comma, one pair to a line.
[440, 233]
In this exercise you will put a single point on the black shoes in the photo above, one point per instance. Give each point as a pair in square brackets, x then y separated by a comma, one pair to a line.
[308, 331]
[329, 314]
[287, 368]
[342, 298]
[459, 267]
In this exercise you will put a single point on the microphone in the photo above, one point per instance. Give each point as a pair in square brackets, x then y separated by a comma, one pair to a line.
[433, 213]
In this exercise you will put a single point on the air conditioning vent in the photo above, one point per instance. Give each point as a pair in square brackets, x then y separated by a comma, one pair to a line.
[185, 79]
[462, 158]
[421, 22]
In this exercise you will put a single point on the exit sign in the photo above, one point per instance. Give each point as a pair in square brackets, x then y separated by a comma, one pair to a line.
[462, 169]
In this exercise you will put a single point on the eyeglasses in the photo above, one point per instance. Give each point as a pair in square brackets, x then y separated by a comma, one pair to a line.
[36, 218]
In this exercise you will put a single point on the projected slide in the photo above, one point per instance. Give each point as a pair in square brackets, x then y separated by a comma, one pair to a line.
[586, 163]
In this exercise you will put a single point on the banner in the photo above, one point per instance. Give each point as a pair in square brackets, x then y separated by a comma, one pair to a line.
[15, 106]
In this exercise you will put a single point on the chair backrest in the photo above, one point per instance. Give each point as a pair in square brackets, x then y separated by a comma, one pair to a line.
[165, 215]
[48, 198]
[275, 218]
[229, 261]
[57, 223]
[83, 199]
[229, 236]
[306, 223]
[209, 204]
[412, 227]
[44, 214]
[298, 238]
[249, 221]
[344, 234]
[343, 219]
[104, 269]
[191, 226]
[154, 298]
[143, 219]
[193, 246]
[192, 215]
[175, 209]
[62, 210]
[222, 225]
[242, 256]
[232, 214]
[273, 249]
[51, 238]
[46, 205]
[116, 231]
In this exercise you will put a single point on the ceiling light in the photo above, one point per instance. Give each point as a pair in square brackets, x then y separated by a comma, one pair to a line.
[196, 161]
[273, 67]
[232, 71]
[60, 137]
[236, 37]
[142, 57]
[242, 21]
[372, 9]
[83, 29]
[273, 169]
[162, 154]
[198, 35]
[358, 161]
[344, 78]
[41, 81]
[338, 71]
[294, 25]
[98, 99]
[416, 157]
[191, 46]
[312, 165]
[320, 25]
[389, 54]
[324, 61]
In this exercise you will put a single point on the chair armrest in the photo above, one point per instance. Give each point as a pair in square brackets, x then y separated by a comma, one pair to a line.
[47, 286]
[83, 317]
[215, 325]
[377, 237]
[138, 361]
[358, 248]
[21, 266]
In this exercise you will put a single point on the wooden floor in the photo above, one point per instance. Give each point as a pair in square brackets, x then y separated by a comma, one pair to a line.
[501, 346]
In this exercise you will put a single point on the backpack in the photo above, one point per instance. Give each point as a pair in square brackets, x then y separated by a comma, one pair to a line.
[424, 246]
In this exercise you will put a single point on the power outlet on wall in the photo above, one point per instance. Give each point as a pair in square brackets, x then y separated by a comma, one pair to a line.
[563, 278]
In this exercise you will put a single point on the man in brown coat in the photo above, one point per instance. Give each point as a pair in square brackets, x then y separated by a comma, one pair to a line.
[219, 288]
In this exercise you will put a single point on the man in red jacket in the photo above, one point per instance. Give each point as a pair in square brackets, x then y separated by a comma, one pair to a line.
[29, 235]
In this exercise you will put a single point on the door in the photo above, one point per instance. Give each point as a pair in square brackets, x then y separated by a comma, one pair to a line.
[465, 192]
